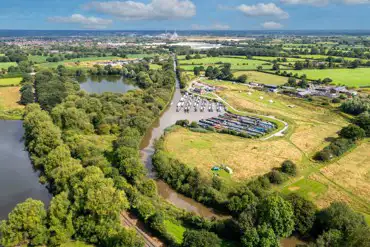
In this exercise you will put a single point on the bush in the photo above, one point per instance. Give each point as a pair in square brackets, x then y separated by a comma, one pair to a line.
[352, 132]
[363, 120]
[323, 155]
[289, 167]
[275, 177]
[183, 123]
[335, 100]
[194, 125]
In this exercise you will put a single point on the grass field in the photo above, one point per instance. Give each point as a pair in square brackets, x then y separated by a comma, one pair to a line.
[9, 107]
[289, 59]
[10, 81]
[236, 63]
[246, 157]
[260, 77]
[176, 230]
[307, 188]
[84, 62]
[155, 66]
[37, 59]
[321, 57]
[359, 77]
[7, 65]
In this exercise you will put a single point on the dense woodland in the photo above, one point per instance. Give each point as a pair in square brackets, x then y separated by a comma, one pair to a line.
[91, 184]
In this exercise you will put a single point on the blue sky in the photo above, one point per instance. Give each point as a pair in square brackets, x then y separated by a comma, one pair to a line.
[185, 14]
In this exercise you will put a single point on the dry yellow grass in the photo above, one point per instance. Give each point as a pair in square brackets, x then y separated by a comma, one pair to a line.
[261, 77]
[312, 124]
[352, 171]
[247, 157]
[9, 97]
[335, 193]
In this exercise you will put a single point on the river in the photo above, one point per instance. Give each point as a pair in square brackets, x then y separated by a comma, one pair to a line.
[18, 180]
[166, 119]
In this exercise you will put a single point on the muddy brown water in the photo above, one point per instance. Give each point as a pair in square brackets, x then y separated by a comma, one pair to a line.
[168, 118]
[291, 242]
[18, 180]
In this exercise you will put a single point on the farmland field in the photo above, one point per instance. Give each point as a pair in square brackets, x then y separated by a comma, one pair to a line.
[9, 107]
[10, 81]
[84, 62]
[7, 65]
[326, 56]
[359, 77]
[236, 63]
[37, 59]
[289, 59]
[260, 77]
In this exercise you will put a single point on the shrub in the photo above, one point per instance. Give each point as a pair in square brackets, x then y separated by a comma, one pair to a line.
[363, 120]
[183, 123]
[352, 132]
[275, 177]
[194, 125]
[335, 100]
[289, 167]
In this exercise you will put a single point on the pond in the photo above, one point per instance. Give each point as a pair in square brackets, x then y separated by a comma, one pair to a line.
[101, 84]
[18, 180]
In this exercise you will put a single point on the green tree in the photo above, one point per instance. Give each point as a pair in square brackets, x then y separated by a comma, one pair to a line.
[339, 216]
[304, 213]
[363, 120]
[289, 167]
[277, 213]
[352, 132]
[60, 219]
[200, 238]
[242, 78]
[262, 236]
[26, 224]
[331, 238]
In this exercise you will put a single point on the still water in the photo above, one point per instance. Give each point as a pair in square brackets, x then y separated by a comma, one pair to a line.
[101, 84]
[18, 180]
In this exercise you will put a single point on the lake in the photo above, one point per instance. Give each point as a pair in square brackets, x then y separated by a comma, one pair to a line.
[18, 180]
[101, 84]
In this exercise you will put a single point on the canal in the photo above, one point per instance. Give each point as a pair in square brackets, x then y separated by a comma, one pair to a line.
[166, 119]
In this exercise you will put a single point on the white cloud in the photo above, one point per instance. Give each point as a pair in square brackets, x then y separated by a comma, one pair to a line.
[324, 2]
[86, 22]
[216, 26]
[220, 27]
[155, 10]
[263, 9]
[271, 25]
[356, 1]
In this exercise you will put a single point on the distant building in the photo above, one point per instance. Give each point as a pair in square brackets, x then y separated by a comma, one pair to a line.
[271, 88]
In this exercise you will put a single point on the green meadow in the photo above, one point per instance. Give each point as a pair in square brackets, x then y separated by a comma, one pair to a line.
[359, 77]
